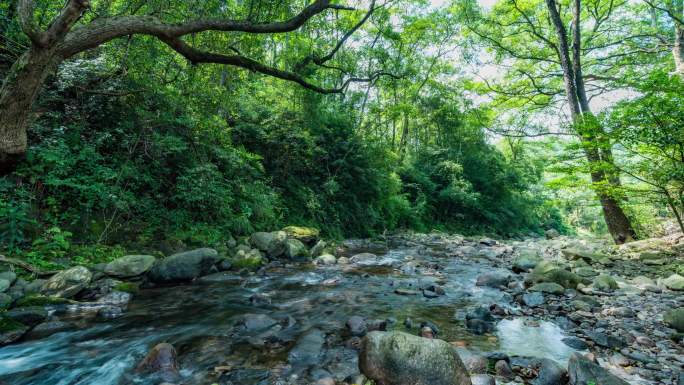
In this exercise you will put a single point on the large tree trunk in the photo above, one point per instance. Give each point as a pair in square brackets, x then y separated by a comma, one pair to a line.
[594, 142]
[678, 49]
[18, 93]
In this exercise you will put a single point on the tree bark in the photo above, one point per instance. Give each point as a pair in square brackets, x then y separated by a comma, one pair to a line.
[678, 49]
[18, 93]
[594, 142]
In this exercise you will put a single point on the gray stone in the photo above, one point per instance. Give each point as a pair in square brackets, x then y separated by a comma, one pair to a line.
[493, 279]
[533, 299]
[605, 283]
[550, 373]
[9, 276]
[548, 287]
[308, 350]
[29, 315]
[674, 282]
[325, 259]
[295, 249]
[482, 379]
[402, 359]
[584, 372]
[4, 285]
[129, 266]
[184, 266]
[67, 283]
[575, 343]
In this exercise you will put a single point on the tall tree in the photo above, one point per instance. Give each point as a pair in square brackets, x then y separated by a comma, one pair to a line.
[575, 51]
[674, 9]
[80, 26]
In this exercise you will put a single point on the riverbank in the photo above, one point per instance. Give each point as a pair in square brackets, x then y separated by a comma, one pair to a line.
[515, 312]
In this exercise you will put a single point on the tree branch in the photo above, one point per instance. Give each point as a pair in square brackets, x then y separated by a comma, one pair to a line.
[27, 24]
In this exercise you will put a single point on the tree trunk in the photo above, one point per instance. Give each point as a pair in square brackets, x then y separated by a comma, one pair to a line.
[594, 143]
[18, 93]
[678, 49]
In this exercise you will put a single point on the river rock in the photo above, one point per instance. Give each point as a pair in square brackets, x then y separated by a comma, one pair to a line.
[307, 235]
[129, 266]
[605, 340]
[318, 249]
[494, 279]
[184, 266]
[356, 326]
[11, 330]
[605, 283]
[550, 373]
[67, 283]
[325, 260]
[5, 301]
[675, 319]
[29, 315]
[252, 323]
[162, 359]
[295, 249]
[363, 257]
[526, 260]
[548, 287]
[48, 328]
[674, 282]
[503, 369]
[584, 372]
[308, 350]
[396, 358]
[482, 379]
[575, 343]
[547, 271]
[533, 299]
[9, 276]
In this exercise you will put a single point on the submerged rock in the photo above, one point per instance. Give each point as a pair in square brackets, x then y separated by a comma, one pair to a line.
[184, 266]
[162, 359]
[396, 358]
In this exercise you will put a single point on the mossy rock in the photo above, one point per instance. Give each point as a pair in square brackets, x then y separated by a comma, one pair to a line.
[304, 234]
[9, 325]
[605, 283]
[41, 300]
[249, 262]
[675, 319]
[128, 287]
[549, 272]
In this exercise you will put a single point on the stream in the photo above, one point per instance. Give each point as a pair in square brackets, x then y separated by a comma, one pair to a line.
[283, 325]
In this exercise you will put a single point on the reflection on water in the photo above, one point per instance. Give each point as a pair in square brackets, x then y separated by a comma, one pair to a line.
[539, 339]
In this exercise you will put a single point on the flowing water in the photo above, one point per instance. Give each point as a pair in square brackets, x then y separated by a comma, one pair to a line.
[310, 306]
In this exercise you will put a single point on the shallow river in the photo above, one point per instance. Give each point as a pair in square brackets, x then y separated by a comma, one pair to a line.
[311, 307]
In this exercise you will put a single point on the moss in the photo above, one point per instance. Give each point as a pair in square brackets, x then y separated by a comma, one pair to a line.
[10, 325]
[128, 287]
[247, 262]
[41, 300]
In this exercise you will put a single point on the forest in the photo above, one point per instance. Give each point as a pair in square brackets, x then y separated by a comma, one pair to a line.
[324, 191]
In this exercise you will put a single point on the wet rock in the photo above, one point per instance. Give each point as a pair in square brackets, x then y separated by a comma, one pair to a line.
[402, 291]
[162, 359]
[482, 379]
[620, 312]
[129, 266]
[363, 257]
[645, 341]
[548, 287]
[11, 330]
[605, 340]
[225, 264]
[586, 272]
[674, 282]
[402, 359]
[343, 261]
[533, 299]
[584, 372]
[503, 369]
[575, 343]
[493, 280]
[184, 266]
[480, 321]
[29, 315]
[550, 373]
[48, 328]
[4, 285]
[325, 259]
[253, 323]
[318, 249]
[308, 350]
[356, 326]
[675, 319]
[67, 283]
[109, 312]
[581, 305]
[427, 332]
[605, 283]
[5, 301]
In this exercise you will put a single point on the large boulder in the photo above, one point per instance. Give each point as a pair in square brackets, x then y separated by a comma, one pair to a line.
[526, 260]
[295, 249]
[308, 235]
[396, 358]
[675, 319]
[184, 266]
[129, 266]
[67, 283]
[584, 372]
[273, 244]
